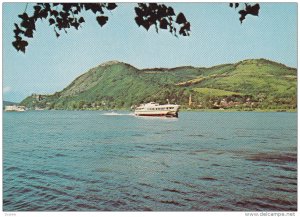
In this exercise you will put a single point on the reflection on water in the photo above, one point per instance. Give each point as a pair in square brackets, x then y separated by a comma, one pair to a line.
[89, 160]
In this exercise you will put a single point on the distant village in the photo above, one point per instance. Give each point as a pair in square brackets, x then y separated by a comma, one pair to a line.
[238, 102]
[233, 101]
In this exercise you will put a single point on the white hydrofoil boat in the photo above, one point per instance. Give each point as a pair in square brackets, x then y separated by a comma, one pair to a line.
[154, 109]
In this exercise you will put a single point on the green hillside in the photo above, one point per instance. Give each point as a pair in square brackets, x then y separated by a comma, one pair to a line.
[255, 83]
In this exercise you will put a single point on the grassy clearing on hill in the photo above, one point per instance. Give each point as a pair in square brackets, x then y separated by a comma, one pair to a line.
[215, 92]
[258, 83]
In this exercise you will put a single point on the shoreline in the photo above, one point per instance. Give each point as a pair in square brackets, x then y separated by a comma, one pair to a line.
[239, 110]
[183, 110]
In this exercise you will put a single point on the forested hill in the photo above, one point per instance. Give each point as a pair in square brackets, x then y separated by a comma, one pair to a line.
[253, 83]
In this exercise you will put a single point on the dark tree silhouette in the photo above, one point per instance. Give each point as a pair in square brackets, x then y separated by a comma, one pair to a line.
[161, 17]
[249, 9]
[63, 16]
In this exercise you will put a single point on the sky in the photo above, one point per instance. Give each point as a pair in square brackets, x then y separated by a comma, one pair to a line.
[217, 37]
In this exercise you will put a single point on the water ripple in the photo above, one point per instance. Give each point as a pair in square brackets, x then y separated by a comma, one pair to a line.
[83, 161]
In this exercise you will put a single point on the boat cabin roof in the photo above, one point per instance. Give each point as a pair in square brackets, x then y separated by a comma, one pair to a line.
[153, 104]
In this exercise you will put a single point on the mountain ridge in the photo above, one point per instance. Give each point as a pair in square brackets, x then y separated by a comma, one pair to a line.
[114, 84]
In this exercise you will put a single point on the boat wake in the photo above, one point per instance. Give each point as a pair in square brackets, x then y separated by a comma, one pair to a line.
[117, 114]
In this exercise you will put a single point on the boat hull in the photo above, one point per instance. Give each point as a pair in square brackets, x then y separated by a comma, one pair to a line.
[160, 114]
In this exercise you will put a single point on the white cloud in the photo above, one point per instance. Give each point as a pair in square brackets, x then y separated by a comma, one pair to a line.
[7, 89]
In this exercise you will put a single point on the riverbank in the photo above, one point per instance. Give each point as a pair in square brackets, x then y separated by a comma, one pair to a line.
[239, 110]
[187, 110]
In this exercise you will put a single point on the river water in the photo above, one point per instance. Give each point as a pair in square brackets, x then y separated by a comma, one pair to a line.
[202, 161]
